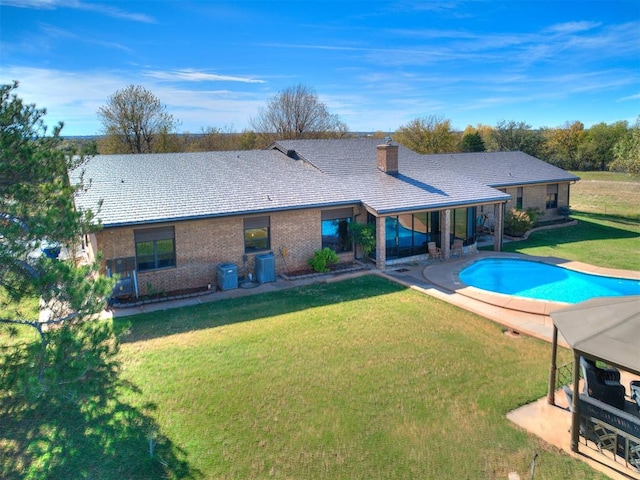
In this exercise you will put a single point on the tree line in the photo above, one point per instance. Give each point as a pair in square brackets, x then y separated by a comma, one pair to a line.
[135, 121]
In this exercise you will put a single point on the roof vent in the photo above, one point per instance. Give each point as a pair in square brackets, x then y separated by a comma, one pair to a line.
[388, 158]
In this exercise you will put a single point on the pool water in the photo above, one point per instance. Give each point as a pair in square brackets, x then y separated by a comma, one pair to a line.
[540, 281]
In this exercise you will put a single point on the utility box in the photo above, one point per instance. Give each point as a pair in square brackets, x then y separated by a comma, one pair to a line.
[266, 268]
[227, 276]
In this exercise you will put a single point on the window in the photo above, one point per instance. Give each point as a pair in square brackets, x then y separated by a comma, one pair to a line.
[155, 248]
[552, 196]
[257, 234]
[463, 224]
[408, 234]
[519, 198]
[335, 229]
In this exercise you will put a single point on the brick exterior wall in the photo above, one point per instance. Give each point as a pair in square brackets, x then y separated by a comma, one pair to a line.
[535, 196]
[203, 244]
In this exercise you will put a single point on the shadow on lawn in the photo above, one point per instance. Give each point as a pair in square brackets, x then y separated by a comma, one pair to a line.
[251, 307]
[70, 422]
[631, 220]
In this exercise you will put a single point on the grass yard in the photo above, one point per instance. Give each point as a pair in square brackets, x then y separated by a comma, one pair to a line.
[354, 379]
[606, 206]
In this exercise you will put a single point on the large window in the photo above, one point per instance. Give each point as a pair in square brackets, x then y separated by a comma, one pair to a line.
[257, 234]
[335, 229]
[155, 248]
[463, 224]
[408, 234]
[552, 196]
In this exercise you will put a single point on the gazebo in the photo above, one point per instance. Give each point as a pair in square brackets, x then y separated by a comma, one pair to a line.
[603, 329]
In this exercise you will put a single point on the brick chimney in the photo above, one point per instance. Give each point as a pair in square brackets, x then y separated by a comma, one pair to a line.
[388, 158]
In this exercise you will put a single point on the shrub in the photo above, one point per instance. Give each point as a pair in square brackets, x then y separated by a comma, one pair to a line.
[534, 213]
[322, 259]
[517, 222]
[363, 234]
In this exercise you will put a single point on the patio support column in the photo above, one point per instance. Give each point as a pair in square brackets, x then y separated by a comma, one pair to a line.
[498, 215]
[575, 413]
[445, 232]
[381, 243]
[551, 394]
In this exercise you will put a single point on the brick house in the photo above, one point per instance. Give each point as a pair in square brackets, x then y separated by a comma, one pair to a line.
[171, 219]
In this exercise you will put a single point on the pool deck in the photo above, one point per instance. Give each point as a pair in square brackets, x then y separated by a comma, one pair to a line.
[446, 276]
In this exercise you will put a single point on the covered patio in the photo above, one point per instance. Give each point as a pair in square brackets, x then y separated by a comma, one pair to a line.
[600, 425]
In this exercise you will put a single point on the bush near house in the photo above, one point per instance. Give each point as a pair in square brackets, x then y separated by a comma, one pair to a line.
[517, 222]
[322, 259]
[364, 234]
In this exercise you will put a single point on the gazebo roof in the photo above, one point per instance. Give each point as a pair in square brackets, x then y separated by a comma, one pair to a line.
[605, 328]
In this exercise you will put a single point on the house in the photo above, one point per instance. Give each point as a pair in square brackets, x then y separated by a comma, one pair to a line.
[172, 218]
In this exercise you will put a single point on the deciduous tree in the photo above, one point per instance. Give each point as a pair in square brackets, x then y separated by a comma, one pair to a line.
[509, 136]
[135, 121]
[562, 144]
[627, 151]
[297, 113]
[430, 134]
[596, 150]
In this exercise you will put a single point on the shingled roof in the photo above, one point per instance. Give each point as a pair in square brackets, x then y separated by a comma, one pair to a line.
[503, 169]
[495, 169]
[420, 184]
[294, 174]
[137, 189]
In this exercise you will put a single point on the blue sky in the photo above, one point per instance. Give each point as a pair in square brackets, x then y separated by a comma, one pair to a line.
[378, 65]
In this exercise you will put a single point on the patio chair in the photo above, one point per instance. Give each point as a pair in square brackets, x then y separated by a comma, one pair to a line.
[457, 248]
[434, 252]
[634, 388]
[603, 383]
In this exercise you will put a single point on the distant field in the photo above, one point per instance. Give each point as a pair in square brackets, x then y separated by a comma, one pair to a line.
[607, 193]
[608, 176]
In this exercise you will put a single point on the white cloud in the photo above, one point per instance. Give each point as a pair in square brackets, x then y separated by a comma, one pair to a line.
[36, 4]
[75, 4]
[630, 97]
[190, 75]
[572, 27]
[55, 32]
[75, 98]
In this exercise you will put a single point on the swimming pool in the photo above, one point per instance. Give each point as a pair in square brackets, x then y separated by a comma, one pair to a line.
[525, 278]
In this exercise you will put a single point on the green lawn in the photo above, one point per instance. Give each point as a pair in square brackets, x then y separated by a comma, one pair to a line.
[608, 231]
[355, 379]
[597, 240]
